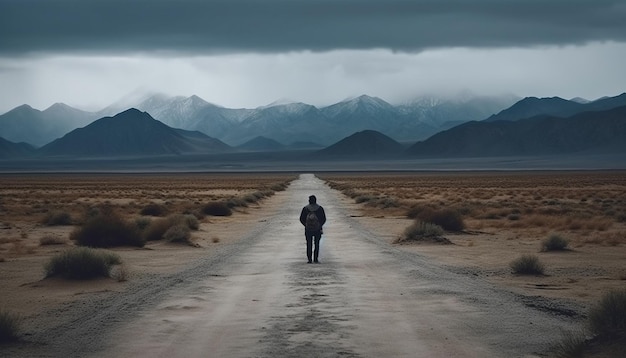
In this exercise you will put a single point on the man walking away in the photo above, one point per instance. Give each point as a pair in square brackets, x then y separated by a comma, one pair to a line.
[313, 218]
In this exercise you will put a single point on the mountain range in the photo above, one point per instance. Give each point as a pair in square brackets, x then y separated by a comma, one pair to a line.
[531, 127]
[282, 122]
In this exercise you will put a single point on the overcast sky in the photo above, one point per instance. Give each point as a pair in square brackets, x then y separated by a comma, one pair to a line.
[248, 53]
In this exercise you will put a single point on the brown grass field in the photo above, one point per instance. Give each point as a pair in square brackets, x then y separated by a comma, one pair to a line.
[507, 214]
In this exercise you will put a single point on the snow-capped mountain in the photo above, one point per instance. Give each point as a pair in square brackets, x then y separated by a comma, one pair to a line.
[285, 121]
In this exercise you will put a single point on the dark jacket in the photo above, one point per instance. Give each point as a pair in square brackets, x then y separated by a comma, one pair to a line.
[317, 209]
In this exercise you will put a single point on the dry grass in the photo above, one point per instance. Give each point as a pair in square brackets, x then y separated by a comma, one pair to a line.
[52, 240]
[585, 205]
[9, 326]
[27, 195]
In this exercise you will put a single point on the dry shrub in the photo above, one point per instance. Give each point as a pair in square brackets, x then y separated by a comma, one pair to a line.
[217, 208]
[364, 199]
[154, 209]
[178, 233]
[81, 263]
[142, 223]
[423, 231]
[448, 219]
[120, 273]
[236, 202]
[279, 186]
[158, 228]
[608, 317]
[9, 326]
[107, 229]
[250, 198]
[572, 344]
[527, 265]
[52, 240]
[554, 243]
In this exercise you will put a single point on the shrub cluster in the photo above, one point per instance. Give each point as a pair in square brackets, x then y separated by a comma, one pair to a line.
[105, 228]
[527, 265]
[217, 208]
[554, 243]
[606, 322]
[174, 228]
[178, 233]
[154, 209]
[448, 219]
[423, 231]
[81, 263]
[9, 326]
[608, 317]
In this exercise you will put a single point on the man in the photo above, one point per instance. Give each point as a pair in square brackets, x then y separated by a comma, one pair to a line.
[313, 218]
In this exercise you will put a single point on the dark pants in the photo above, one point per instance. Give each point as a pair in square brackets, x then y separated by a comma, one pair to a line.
[311, 237]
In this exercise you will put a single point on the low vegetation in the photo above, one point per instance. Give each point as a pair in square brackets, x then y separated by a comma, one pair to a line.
[81, 263]
[606, 336]
[106, 228]
[608, 317]
[554, 243]
[57, 218]
[218, 208]
[178, 233]
[174, 228]
[9, 326]
[423, 231]
[448, 219]
[154, 209]
[527, 265]
[579, 203]
[52, 240]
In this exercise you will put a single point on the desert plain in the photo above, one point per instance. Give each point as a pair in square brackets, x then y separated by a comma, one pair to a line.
[504, 215]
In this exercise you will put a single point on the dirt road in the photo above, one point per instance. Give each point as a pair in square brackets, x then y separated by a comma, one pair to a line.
[259, 298]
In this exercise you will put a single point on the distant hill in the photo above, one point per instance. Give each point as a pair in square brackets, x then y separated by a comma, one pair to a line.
[261, 144]
[9, 149]
[131, 133]
[365, 144]
[587, 132]
[555, 106]
[26, 124]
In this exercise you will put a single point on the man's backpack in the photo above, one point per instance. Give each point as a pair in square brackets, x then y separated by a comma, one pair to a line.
[312, 223]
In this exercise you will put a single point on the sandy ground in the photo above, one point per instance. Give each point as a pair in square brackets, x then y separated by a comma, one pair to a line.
[253, 295]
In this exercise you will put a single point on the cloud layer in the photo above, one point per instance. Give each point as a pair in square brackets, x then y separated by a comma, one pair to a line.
[215, 26]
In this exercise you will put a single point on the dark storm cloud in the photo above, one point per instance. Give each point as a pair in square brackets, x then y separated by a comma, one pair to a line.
[286, 25]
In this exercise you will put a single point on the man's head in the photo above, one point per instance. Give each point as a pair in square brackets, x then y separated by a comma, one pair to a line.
[312, 199]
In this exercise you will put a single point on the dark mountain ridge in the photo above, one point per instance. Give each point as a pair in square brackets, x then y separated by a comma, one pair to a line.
[587, 132]
[555, 106]
[366, 144]
[10, 149]
[131, 133]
